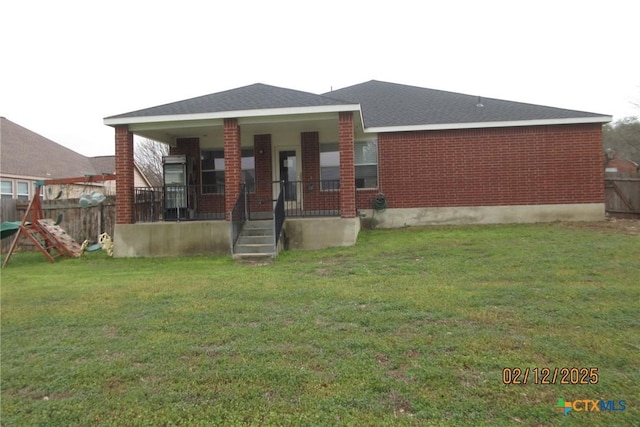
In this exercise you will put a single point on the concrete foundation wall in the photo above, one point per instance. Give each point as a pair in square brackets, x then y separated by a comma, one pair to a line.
[170, 239]
[318, 233]
[394, 218]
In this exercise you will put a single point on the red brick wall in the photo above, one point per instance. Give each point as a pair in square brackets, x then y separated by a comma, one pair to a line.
[491, 167]
[232, 164]
[347, 169]
[261, 199]
[125, 176]
[190, 147]
[365, 197]
[623, 165]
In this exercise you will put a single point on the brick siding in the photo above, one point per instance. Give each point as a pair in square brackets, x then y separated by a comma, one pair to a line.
[261, 199]
[347, 168]
[232, 164]
[491, 167]
[125, 175]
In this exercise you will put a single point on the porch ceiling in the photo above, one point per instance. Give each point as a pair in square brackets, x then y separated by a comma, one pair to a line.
[210, 131]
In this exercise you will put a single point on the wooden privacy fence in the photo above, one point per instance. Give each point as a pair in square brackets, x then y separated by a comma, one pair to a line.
[622, 195]
[80, 223]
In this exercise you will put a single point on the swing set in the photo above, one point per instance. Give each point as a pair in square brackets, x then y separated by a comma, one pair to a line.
[45, 233]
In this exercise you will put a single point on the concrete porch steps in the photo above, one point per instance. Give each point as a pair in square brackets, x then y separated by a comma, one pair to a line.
[255, 241]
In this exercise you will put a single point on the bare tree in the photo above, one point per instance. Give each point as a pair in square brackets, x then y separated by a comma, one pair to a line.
[623, 138]
[148, 156]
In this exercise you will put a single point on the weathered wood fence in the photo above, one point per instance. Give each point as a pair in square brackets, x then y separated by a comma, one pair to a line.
[622, 195]
[80, 223]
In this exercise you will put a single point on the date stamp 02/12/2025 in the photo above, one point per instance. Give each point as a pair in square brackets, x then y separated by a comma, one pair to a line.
[549, 376]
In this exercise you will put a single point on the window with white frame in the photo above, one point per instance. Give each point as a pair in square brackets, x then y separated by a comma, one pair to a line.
[7, 189]
[366, 164]
[329, 166]
[212, 167]
[22, 190]
[365, 161]
[248, 164]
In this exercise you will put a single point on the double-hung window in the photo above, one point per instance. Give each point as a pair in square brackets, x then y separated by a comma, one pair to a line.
[212, 167]
[212, 164]
[366, 164]
[7, 189]
[330, 166]
[23, 190]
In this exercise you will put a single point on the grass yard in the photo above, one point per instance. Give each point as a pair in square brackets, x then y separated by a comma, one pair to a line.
[409, 327]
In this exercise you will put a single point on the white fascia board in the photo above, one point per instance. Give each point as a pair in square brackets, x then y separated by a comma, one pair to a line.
[179, 124]
[476, 125]
[232, 114]
[22, 177]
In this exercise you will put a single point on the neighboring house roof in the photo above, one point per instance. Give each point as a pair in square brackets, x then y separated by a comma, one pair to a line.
[385, 107]
[104, 164]
[27, 154]
[254, 97]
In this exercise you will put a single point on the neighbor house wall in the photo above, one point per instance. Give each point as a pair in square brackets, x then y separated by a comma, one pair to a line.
[535, 165]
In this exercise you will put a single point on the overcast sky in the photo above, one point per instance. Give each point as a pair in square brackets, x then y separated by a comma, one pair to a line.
[68, 64]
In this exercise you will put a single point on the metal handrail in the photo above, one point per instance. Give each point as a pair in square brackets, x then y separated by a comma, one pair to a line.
[312, 198]
[279, 215]
[238, 216]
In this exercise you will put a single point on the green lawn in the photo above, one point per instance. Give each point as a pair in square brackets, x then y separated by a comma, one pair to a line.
[409, 327]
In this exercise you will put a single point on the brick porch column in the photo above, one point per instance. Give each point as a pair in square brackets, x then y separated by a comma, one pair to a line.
[124, 174]
[232, 164]
[347, 168]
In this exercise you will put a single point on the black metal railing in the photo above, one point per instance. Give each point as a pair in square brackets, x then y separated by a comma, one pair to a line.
[312, 198]
[176, 202]
[279, 217]
[193, 202]
[238, 216]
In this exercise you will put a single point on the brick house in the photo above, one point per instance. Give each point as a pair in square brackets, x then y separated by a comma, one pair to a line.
[386, 153]
[615, 163]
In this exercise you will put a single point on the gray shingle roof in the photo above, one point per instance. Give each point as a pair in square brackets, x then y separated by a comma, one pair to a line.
[253, 97]
[383, 105]
[25, 153]
[389, 104]
[104, 164]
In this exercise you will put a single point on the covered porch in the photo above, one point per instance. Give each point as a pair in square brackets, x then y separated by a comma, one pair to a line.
[302, 156]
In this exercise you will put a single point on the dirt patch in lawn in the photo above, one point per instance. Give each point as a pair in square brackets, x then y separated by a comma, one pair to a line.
[610, 225]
